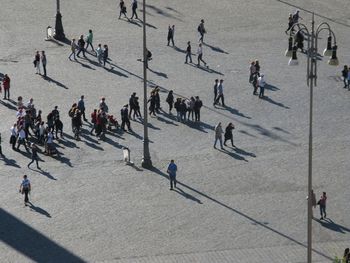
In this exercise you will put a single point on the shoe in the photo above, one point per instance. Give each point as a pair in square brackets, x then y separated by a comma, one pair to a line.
[225, 144]
[28, 165]
[38, 167]
[233, 145]
[214, 147]
[222, 148]
[171, 189]
[321, 218]
[85, 120]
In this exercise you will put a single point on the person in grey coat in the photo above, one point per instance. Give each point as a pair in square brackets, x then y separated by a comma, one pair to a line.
[218, 135]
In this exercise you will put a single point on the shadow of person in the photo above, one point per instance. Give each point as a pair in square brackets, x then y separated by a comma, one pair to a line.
[8, 105]
[39, 210]
[84, 65]
[179, 49]
[133, 22]
[112, 70]
[187, 195]
[243, 152]
[47, 78]
[234, 111]
[216, 49]
[166, 121]
[158, 73]
[9, 162]
[232, 154]
[271, 87]
[331, 225]
[268, 99]
[206, 69]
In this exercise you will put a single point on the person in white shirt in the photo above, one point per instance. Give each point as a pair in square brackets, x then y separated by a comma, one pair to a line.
[25, 188]
[99, 52]
[261, 83]
[13, 137]
[21, 138]
[220, 93]
[200, 55]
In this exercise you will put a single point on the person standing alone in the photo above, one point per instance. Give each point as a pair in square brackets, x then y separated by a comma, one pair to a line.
[220, 93]
[171, 32]
[201, 30]
[43, 61]
[188, 52]
[6, 84]
[34, 155]
[25, 188]
[322, 204]
[172, 169]
[133, 8]
[37, 62]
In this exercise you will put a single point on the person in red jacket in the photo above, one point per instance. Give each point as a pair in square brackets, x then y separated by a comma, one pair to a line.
[6, 83]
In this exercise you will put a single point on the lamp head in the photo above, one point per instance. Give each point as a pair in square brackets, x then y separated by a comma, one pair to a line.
[289, 51]
[333, 61]
[328, 50]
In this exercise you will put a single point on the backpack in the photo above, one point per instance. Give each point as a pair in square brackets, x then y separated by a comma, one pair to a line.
[199, 28]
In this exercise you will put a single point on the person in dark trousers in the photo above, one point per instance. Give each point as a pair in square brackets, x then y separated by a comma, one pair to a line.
[122, 9]
[345, 73]
[171, 31]
[73, 47]
[13, 138]
[183, 109]
[25, 188]
[132, 104]
[228, 134]
[133, 8]
[156, 93]
[261, 84]
[81, 107]
[172, 169]
[149, 57]
[6, 84]
[177, 108]
[124, 112]
[299, 39]
[152, 104]
[34, 155]
[0, 146]
[93, 120]
[81, 46]
[137, 111]
[197, 109]
[58, 127]
[43, 61]
[170, 100]
[290, 23]
[255, 83]
[201, 30]
[200, 55]
[188, 52]
[220, 93]
[105, 54]
[89, 40]
[216, 84]
[322, 204]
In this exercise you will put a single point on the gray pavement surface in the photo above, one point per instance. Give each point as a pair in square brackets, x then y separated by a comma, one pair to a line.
[244, 204]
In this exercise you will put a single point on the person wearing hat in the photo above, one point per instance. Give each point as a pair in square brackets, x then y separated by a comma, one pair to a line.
[25, 188]
[124, 112]
[34, 155]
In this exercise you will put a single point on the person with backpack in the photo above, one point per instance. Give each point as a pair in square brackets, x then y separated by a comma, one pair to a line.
[201, 30]
[25, 188]
[134, 8]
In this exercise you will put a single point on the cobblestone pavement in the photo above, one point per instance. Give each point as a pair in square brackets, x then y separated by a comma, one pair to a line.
[244, 204]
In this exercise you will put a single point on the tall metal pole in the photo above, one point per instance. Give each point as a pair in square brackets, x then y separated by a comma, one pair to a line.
[146, 160]
[312, 76]
[59, 33]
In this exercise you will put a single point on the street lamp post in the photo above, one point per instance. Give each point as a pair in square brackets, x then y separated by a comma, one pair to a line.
[59, 33]
[146, 159]
[311, 82]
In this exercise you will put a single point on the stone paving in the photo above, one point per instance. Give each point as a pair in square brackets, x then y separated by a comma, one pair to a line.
[244, 204]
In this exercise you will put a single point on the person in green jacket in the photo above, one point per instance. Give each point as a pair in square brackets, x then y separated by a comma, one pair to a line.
[89, 40]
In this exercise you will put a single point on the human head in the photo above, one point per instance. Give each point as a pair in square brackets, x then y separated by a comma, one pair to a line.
[172, 161]
[82, 97]
[73, 39]
[90, 31]
[200, 44]
[216, 81]
[202, 20]
[25, 176]
[43, 52]
[189, 43]
[324, 193]
[221, 80]
[82, 36]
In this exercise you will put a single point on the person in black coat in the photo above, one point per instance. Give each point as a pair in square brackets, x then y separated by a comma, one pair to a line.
[152, 106]
[81, 45]
[197, 108]
[183, 109]
[122, 9]
[177, 108]
[124, 112]
[171, 31]
[228, 134]
[170, 100]
[132, 104]
[345, 73]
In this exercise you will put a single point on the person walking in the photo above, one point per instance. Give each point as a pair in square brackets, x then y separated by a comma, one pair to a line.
[183, 109]
[89, 40]
[177, 108]
[81, 46]
[188, 52]
[137, 111]
[200, 55]
[0, 146]
[216, 84]
[171, 31]
[345, 73]
[73, 47]
[252, 71]
[197, 109]
[132, 104]
[124, 112]
[170, 100]
[81, 107]
[152, 104]
[34, 155]
[201, 30]
[37, 62]
[103, 105]
[290, 23]
[228, 134]
[220, 94]
[322, 204]
[218, 135]
[172, 169]
[122, 9]
[346, 256]
[43, 61]
[25, 188]
[93, 120]
[6, 84]
[296, 18]
[105, 54]
[348, 80]
[190, 108]
[261, 84]
[134, 8]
